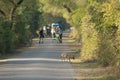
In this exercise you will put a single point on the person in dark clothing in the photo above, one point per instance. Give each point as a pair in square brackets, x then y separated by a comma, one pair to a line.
[41, 35]
[48, 31]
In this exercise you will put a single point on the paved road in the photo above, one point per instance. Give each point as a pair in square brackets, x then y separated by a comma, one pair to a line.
[40, 62]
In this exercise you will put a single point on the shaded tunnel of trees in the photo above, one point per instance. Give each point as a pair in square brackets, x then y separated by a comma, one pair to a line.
[96, 25]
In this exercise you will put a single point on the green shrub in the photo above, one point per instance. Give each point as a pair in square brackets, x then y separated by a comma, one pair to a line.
[89, 39]
[6, 37]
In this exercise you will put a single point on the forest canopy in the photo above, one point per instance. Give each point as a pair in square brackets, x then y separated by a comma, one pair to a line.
[96, 24]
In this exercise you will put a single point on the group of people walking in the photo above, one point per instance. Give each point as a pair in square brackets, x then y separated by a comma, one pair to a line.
[54, 31]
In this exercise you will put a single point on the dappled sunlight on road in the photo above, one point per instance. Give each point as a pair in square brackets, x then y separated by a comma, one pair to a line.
[32, 59]
[36, 69]
[37, 77]
[39, 62]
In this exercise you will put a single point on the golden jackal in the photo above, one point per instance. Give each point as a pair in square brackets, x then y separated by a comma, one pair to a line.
[66, 56]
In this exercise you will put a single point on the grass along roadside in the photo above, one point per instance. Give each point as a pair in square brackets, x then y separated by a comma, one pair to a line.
[91, 70]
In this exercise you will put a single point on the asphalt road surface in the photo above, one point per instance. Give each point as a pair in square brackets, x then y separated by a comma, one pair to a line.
[40, 62]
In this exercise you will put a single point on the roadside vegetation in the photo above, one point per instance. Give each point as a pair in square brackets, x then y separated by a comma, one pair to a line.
[94, 23]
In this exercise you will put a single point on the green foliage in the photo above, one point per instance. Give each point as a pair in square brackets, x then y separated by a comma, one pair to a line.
[15, 18]
[108, 47]
[66, 9]
[106, 54]
[99, 27]
[77, 15]
[30, 14]
[2, 47]
[89, 39]
[117, 43]
[7, 36]
[20, 33]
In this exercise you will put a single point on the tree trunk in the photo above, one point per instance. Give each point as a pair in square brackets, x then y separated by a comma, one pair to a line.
[16, 5]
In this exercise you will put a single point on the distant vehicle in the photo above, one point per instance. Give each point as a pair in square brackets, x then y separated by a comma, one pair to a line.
[55, 24]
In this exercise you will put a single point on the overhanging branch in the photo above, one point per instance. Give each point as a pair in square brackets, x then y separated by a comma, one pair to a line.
[16, 5]
[2, 12]
[68, 9]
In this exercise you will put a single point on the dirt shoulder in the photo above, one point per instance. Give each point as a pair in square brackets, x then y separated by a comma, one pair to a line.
[92, 71]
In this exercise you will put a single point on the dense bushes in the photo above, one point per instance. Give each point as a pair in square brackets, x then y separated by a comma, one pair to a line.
[18, 23]
[6, 40]
[99, 29]
[2, 47]
[89, 39]
[100, 32]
